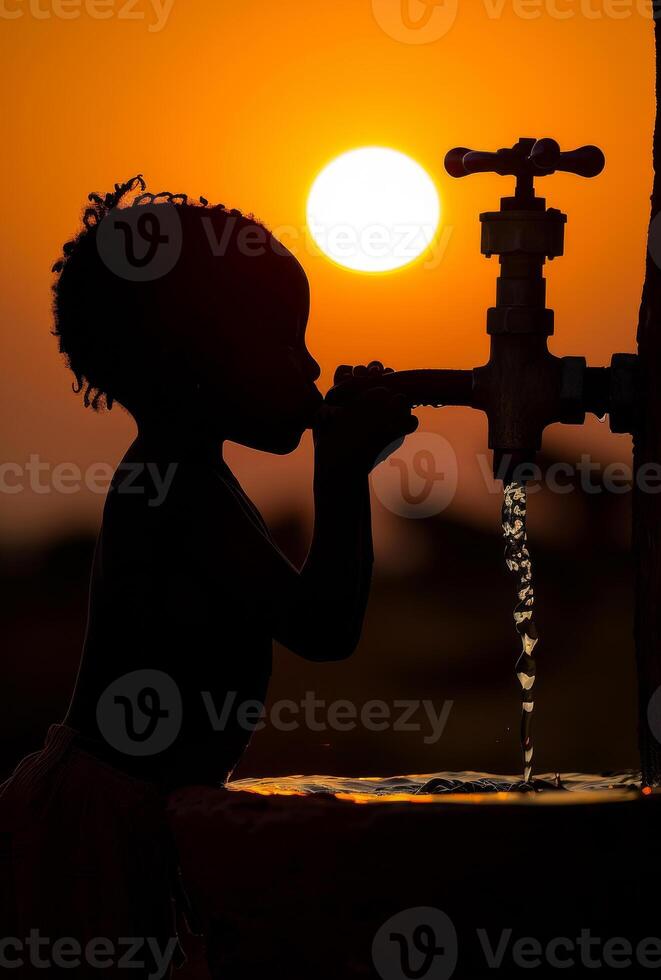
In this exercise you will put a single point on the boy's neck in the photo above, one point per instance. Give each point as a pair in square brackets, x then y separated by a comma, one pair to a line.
[177, 443]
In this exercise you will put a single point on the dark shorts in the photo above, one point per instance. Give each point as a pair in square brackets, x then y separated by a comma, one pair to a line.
[86, 859]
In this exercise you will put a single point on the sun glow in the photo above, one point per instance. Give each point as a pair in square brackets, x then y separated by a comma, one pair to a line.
[373, 210]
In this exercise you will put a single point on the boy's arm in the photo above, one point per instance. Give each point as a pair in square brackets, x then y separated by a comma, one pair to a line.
[317, 612]
[321, 615]
[324, 621]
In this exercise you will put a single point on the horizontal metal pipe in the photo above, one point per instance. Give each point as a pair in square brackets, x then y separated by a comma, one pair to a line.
[432, 387]
[596, 391]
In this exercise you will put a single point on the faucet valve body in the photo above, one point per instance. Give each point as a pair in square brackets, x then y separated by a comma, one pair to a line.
[523, 387]
[523, 240]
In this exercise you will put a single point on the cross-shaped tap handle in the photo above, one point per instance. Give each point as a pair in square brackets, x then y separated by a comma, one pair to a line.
[528, 158]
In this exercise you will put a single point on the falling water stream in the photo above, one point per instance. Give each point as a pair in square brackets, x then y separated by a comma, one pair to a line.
[517, 558]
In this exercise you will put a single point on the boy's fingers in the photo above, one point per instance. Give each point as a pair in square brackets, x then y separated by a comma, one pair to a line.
[401, 413]
[376, 397]
[374, 369]
[394, 406]
[343, 372]
[399, 406]
[393, 412]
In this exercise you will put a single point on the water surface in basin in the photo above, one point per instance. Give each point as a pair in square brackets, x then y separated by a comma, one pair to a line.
[456, 787]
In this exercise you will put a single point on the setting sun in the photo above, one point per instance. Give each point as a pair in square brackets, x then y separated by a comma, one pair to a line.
[373, 210]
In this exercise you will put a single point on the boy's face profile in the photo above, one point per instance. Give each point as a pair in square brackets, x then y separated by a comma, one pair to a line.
[212, 349]
[257, 377]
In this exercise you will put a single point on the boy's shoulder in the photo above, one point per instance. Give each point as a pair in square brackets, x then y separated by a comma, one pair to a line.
[185, 489]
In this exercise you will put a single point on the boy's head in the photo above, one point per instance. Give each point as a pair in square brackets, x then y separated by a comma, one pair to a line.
[188, 315]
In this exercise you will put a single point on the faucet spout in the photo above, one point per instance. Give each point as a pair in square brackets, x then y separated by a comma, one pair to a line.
[429, 387]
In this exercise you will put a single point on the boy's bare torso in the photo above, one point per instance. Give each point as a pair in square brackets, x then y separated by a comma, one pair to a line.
[172, 595]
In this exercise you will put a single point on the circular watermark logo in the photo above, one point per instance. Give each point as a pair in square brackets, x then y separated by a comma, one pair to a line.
[420, 943]
[419, 478]
[140, 243]
[415, 21]
[140, 713]
[654, 715]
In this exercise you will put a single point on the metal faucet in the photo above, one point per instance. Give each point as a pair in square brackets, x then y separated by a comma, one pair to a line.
[523, 387]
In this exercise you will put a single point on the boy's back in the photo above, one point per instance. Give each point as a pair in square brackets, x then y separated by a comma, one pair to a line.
[178, 638]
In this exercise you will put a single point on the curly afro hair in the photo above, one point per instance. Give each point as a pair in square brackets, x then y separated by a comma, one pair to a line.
[110, 327]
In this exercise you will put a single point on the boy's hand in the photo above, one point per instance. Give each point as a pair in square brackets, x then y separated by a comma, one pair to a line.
[367, 428]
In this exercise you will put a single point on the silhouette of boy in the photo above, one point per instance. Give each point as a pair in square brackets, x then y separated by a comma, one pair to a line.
[193, 318]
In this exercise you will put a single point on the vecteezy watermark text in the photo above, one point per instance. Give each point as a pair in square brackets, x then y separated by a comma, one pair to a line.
[426, 21]
[144, 243]
[155, 12]
[317, 715]
[586, 474]
[42, 477]
[100, 953]
[140, 714]
[563, 952]
[423, 942]
[420, 478]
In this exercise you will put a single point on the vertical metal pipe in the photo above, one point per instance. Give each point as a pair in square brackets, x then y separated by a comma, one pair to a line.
[646, 505]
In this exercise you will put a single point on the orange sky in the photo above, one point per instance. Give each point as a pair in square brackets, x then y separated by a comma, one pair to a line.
[244, 103]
